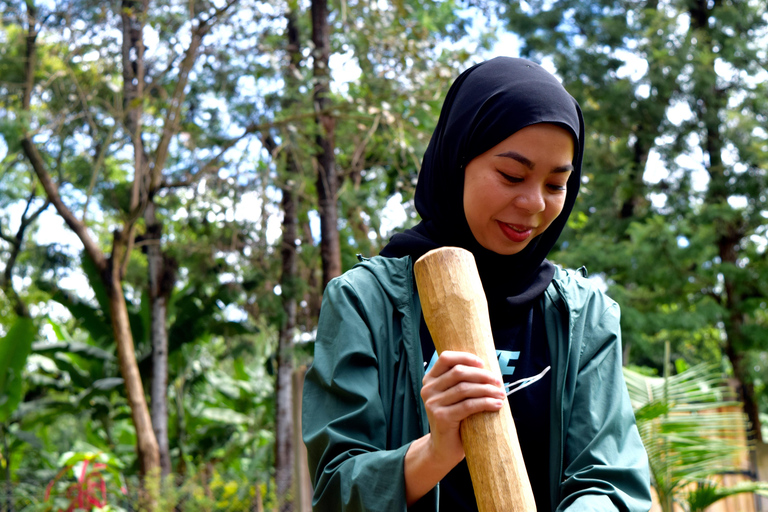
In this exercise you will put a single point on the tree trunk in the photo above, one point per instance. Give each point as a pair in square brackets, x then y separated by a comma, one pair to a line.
[730, 231]
[302, 480]
[162, 276]
[131, 15]
[284, 425]
[148, 454]
[8, 487]
[147, 182]
[327, 181]
[111, 276]
[284, 416]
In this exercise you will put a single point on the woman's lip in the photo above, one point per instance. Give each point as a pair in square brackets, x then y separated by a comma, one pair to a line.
[515, 232]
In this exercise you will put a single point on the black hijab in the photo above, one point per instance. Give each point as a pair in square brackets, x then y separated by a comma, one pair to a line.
[486, 104]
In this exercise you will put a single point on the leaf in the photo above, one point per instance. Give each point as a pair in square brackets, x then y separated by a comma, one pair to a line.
[78, 376]
[224, 384]
[74, 347]
[42, 410]
[687, 432]
[221, 415]
[108, 384]
[91, 319]
[59, 330]
[14, 349]
[101, 387]
[709, 492]
[97, 285]
[651, 411]
[239, 366]
[27, 437]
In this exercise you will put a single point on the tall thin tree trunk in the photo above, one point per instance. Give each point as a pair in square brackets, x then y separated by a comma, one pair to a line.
[327, 180]
[284, 449]
[284, 418]
[162, 276]
[712, 101]
[142, 196]
[302, 481]
[148, 454]
[110, 273]
[132, 13]
[8, 486]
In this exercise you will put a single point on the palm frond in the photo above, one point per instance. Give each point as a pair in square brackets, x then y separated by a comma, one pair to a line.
[708, 492]
[691, 427]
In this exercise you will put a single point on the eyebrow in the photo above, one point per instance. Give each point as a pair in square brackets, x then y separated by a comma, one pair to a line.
[514, 155]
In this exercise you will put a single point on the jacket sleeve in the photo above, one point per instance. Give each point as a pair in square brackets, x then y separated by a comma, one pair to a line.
[605, 463]
[343, 418]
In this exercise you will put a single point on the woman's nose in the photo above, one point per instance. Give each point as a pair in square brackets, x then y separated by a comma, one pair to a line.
[530, 199]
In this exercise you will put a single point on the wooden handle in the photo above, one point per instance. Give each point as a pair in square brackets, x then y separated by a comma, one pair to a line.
[456, 312]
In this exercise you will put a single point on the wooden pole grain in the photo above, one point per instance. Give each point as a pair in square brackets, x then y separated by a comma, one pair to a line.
[456, 312]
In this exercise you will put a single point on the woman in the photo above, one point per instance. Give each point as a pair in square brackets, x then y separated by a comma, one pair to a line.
[381, 411]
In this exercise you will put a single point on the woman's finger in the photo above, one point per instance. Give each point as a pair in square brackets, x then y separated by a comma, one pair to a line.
[460, 392]
[457, 412]
[450, 358]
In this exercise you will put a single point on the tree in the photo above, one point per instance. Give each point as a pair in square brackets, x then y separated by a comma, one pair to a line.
[145, 123]
[289, 278]
[674, 179]
[102, 128]
[110, 266]
[149, 169]
[338, 168]
[327, 180]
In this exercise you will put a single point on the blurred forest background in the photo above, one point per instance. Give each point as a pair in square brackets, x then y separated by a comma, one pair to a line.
[179, 179]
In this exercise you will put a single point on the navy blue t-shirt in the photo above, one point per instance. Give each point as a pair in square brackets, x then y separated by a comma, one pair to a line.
[521, 348]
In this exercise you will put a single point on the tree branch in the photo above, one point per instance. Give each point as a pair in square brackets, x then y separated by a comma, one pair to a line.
[31, 56]
[52, 191]
[83, 100]
[96, 168]
[179, 93]
[38, 165]
[19, 306]
[192, 177]
[5, 237]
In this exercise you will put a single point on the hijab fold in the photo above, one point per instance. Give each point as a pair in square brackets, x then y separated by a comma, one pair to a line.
[486, 104]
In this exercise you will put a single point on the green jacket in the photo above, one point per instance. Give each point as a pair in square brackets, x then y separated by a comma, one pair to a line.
[362, 406]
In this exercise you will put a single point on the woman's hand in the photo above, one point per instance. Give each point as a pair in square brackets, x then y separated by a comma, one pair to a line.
[456, 387]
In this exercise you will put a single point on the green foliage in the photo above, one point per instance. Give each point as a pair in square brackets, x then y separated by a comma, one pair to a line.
[672, 209]
[653, 242]
[14, 349]
[220, 494]
[707, 493]
[691, 433]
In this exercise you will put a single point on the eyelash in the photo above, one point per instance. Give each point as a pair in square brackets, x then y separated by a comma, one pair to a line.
[509, 178]
[513, 179]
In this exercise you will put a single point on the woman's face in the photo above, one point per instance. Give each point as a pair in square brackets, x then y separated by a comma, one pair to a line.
[514, 191]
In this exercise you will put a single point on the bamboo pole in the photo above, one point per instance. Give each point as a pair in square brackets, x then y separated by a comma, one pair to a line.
[456, 312]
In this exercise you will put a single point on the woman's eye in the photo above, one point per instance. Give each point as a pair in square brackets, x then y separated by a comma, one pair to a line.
[511, 179]
[556, 187]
